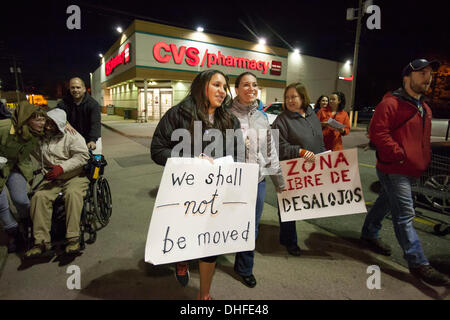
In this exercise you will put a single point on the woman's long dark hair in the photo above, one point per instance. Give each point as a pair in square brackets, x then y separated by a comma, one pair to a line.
[341, 97]
[222, 118]
[320, 99]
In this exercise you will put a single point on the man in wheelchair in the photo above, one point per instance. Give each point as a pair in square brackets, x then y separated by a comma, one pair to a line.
[63, 156]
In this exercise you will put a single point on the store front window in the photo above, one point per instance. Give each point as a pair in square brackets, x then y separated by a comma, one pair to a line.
[159, 100]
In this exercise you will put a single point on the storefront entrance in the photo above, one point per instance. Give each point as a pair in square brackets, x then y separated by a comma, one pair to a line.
[159, 100]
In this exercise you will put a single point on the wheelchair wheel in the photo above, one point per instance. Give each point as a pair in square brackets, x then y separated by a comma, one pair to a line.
[102, 201]
[441, 185]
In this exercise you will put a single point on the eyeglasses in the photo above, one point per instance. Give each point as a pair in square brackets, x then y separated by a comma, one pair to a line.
[292, 98]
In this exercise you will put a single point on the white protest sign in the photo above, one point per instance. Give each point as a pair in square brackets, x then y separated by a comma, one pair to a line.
[331, 186]
[202, 210]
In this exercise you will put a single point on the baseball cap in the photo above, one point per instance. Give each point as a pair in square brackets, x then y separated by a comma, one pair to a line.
[419, 64]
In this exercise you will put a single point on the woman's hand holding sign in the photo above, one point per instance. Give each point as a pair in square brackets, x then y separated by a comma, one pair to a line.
[307, 155]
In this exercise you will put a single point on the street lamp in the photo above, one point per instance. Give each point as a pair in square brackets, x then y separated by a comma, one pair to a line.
[262, 41]
[297, 51]
[100, 55]
[200, 29]
[119, 29]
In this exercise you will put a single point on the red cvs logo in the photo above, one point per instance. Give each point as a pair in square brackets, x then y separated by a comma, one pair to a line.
[121, 58]
[162, 52]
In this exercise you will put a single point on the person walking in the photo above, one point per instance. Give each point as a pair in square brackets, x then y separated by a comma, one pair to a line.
[300, 137]
[206, 102]
[400, 129]
[254, 125]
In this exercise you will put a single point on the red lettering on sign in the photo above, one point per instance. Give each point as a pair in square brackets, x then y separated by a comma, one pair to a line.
[122, 58]
[157, 52]
[192, 58]
[341, 158]
[291, 169]
[177, 55]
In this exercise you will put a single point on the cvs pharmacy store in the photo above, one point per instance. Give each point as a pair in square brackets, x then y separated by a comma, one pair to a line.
[151, 66]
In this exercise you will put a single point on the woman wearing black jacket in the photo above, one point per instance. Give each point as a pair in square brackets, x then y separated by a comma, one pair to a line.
[300, 137]
[206, 104]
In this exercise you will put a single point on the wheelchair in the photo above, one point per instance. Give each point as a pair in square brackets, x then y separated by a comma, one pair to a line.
[96, 212]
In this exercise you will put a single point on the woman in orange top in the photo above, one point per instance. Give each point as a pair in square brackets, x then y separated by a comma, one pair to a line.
[332, 137]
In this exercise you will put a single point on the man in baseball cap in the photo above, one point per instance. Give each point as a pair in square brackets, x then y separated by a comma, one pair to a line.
[418, 65]
[401, 129]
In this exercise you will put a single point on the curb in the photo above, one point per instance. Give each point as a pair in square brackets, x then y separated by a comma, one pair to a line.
[125, 134]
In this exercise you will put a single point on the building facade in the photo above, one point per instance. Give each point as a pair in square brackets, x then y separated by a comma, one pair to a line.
[151, 66]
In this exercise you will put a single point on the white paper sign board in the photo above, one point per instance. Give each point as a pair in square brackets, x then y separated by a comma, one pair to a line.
[202, 210]
[331, 186]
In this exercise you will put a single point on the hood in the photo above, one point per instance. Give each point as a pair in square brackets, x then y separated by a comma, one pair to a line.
[59, 117]
[402, 94]
[20, 117]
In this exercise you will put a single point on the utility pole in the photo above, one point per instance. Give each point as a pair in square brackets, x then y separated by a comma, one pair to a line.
[356, 51]
[17, 79]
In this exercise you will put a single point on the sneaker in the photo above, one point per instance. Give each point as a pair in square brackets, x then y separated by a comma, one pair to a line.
[249, 281]
[37, 251]
[182, 273]
[428, 274]
[377, 246]
[294, 250]
[73, 246]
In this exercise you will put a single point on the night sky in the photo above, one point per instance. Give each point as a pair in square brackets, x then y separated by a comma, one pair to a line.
[48, 53]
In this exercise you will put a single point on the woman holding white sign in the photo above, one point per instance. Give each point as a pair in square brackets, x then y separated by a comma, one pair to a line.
[204, 104]
[260, 149]
[338, 126]
[300, 137]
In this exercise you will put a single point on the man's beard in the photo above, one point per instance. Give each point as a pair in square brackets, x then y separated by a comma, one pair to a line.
[418, 88]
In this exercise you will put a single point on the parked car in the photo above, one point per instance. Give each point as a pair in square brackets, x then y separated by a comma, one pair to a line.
[365, 113]
[273, 110]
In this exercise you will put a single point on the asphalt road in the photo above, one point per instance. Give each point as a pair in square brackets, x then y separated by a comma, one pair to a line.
[349, 227]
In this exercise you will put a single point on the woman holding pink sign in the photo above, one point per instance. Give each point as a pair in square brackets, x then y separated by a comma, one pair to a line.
[300, 137]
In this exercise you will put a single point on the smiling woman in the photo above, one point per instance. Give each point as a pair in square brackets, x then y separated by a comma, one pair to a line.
[205, 104]
[258, 150]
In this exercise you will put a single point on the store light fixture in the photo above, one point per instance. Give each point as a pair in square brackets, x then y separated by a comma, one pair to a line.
[348, 62]
[297, 51]
[100, 55]
[119, 29]
[200, 29]
[262, 41]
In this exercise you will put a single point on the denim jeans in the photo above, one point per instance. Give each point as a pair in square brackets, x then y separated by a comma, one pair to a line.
[17, 186]
[243, 262]
[396, 197]
[288, 232]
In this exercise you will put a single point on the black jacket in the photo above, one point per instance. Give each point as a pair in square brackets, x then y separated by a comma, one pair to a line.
[298, 132]
[85, 118]
[180, 117]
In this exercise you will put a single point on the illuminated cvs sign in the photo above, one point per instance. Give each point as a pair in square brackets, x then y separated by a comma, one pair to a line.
[121, 58]
[164, 52]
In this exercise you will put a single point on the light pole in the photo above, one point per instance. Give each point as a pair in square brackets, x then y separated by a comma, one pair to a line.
[355, 53]
[17, 80]
[362, 5]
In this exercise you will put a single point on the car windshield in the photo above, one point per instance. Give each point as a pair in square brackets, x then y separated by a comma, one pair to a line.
[274, 108]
